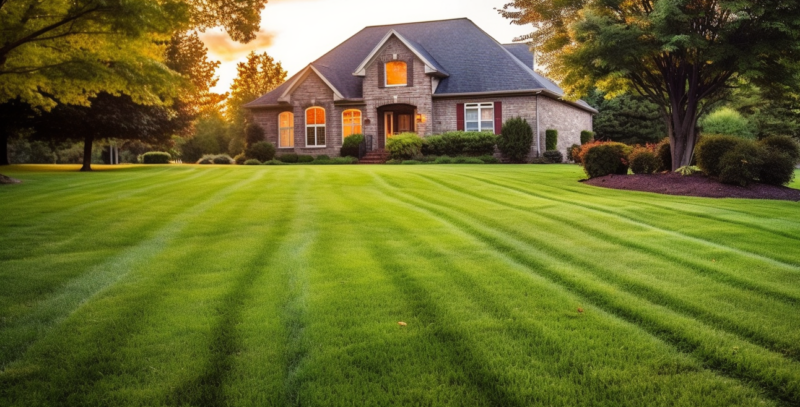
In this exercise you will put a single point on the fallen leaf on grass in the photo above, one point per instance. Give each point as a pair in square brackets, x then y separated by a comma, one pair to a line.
[580, 310]
[401, 323]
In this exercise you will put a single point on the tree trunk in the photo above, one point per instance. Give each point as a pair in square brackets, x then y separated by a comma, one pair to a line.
[87, 153]
[4, 147]
[682, 128]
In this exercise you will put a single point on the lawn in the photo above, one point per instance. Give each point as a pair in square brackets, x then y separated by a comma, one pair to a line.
[276, 286]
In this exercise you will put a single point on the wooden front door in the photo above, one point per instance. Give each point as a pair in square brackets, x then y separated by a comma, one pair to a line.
[405, 123]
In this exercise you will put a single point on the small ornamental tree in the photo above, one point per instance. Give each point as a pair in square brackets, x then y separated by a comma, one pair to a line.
[515, 139]
[253, 133]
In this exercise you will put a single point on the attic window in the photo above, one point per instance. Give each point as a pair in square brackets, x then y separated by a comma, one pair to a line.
[396, 73]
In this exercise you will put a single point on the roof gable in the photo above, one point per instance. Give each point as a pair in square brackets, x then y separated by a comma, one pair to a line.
[431, 66]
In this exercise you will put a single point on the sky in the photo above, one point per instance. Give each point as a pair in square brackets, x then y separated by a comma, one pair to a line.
[297, 32]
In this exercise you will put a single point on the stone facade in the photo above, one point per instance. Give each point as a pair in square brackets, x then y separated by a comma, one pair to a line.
[567, 119]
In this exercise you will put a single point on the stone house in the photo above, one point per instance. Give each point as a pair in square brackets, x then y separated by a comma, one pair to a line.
[428, 78]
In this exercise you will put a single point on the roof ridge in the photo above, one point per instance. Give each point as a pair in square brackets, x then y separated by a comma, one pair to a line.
[421, 22]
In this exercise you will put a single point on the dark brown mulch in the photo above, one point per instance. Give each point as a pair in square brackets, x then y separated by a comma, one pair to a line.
[8, 180]
[693, 185]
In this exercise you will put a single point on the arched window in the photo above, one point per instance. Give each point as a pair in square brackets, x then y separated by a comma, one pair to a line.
[351, 122]
[286, 130]
[396, 73]
[315, 127]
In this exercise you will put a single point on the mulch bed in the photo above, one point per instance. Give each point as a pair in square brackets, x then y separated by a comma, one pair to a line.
[693, 185]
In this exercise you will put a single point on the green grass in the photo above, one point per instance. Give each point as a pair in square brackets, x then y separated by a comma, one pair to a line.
[276, 286]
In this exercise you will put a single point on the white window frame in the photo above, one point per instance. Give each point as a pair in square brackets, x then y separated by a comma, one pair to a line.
[386, 74]
[280, 130]
[360, 122]
[316, 127]
[480, 107]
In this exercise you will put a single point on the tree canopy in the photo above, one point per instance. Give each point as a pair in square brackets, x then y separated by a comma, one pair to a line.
[255, 77]
[626, 118]
[681, 54]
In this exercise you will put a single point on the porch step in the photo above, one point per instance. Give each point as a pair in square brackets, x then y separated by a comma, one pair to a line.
[375, 157]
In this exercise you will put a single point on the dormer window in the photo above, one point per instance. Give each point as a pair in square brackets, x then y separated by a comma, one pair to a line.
[396, 73]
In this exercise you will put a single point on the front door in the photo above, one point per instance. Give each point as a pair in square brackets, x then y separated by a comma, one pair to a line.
[405, 123]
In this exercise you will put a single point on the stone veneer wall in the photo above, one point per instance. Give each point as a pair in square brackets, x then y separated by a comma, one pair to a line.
[567, 119]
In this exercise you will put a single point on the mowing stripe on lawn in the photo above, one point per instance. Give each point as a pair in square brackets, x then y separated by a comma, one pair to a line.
[776, 375]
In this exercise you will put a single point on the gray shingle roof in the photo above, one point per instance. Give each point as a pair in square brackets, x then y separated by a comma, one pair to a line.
[474, 61]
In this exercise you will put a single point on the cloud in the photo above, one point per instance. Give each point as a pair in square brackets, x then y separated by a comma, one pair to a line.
[222, 48]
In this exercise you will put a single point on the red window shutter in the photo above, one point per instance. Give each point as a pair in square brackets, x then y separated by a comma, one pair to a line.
[460, 116]
[498, 117]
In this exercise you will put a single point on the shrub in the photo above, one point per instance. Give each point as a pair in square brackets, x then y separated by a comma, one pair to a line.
[782, 144]
[443, 160]
[345, 160]
[489, 159]
[411, 162]
[288, 158]
[572, 152]
[261, 151]
[644, 161]
[322, 157]
[777, 167]
[515, 139]
[393, 161]
[553, 156]
[664, 154]
[404, 146]
[709, 152]
[351, 144]
[740, 165]
[223, 159]
[304, 158]
[606, 158]
[729, 122]
[586, 136]
[156, 157]
[274, 162]
[240, 159]
[473, 143]
[206, 159]
[550, 139]
[253, 133]
[252, 162]
[467, 160]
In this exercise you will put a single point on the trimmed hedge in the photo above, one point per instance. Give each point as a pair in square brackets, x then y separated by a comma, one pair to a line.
[252, 162]
[586, 136]
[404, 146]
[606, 158]
[710, 149]
[322, 157]
[351, 144]
[274, 162]
[156, 157]
[777, 168]
[782, 144]
[472, 143]
[261, 151]
[740, 165]
[288, 158]
[553, 156]
[644, 161]
[515, 139]
[222, 159]
[550, 139]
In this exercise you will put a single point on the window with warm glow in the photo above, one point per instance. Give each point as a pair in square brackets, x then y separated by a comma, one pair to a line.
[315, 127]
[396, 73]
[286, 130]
[351, 122]
[479, 117]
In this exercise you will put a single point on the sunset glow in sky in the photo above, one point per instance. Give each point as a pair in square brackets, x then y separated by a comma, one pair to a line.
[296, 32]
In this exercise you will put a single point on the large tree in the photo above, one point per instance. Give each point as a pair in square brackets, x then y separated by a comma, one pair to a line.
[255, 77]
[627, 118]
[681, 54]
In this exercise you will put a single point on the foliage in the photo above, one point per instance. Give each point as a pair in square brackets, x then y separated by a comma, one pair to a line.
[206, 159]
[682, 55]
[550, 139]
[258, 75]
[261, 151]
[411, 162]
[515, 139]
[586, 135]
[688, 170]
[626, 118]
[644, 160]
[664, 154]
[321, 157]
[710, 150]
[740, 165]
[274, 162]
[443, 160]
[288, 158]
[334, 161]
[253, 133]
[211, 136]
[572, 152]
[305, 158]
[472, 143]
[489, 159]
[222, 159]
[777, 168]
[782, 144]
[156, 157]
[728, 122]
[404, 146]
[351, 145]
[553, 156]
[604, 158]
[252, 161]
[239, 159]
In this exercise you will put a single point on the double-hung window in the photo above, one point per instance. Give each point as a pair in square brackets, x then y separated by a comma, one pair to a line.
[286, 130]
[315, 127]
[351, 122]
[479, 117]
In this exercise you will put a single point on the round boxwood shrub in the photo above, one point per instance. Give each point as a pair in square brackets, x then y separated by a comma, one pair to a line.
[664, 153]
[710, 149]
[239, 159]
[550, 139]
[252, 161]
[206, 159]
[644, 161]
[586, 136]
[728, 122]
[222, 159]
[741, 165]
[782, 144]
[261, 151]
[606, 158]
[288, 158]
[515, 139]
[404, 146]
[305, 158]
[156, 157]
[274, 162]
[553, 156]
[777, 168]
[351, 144]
